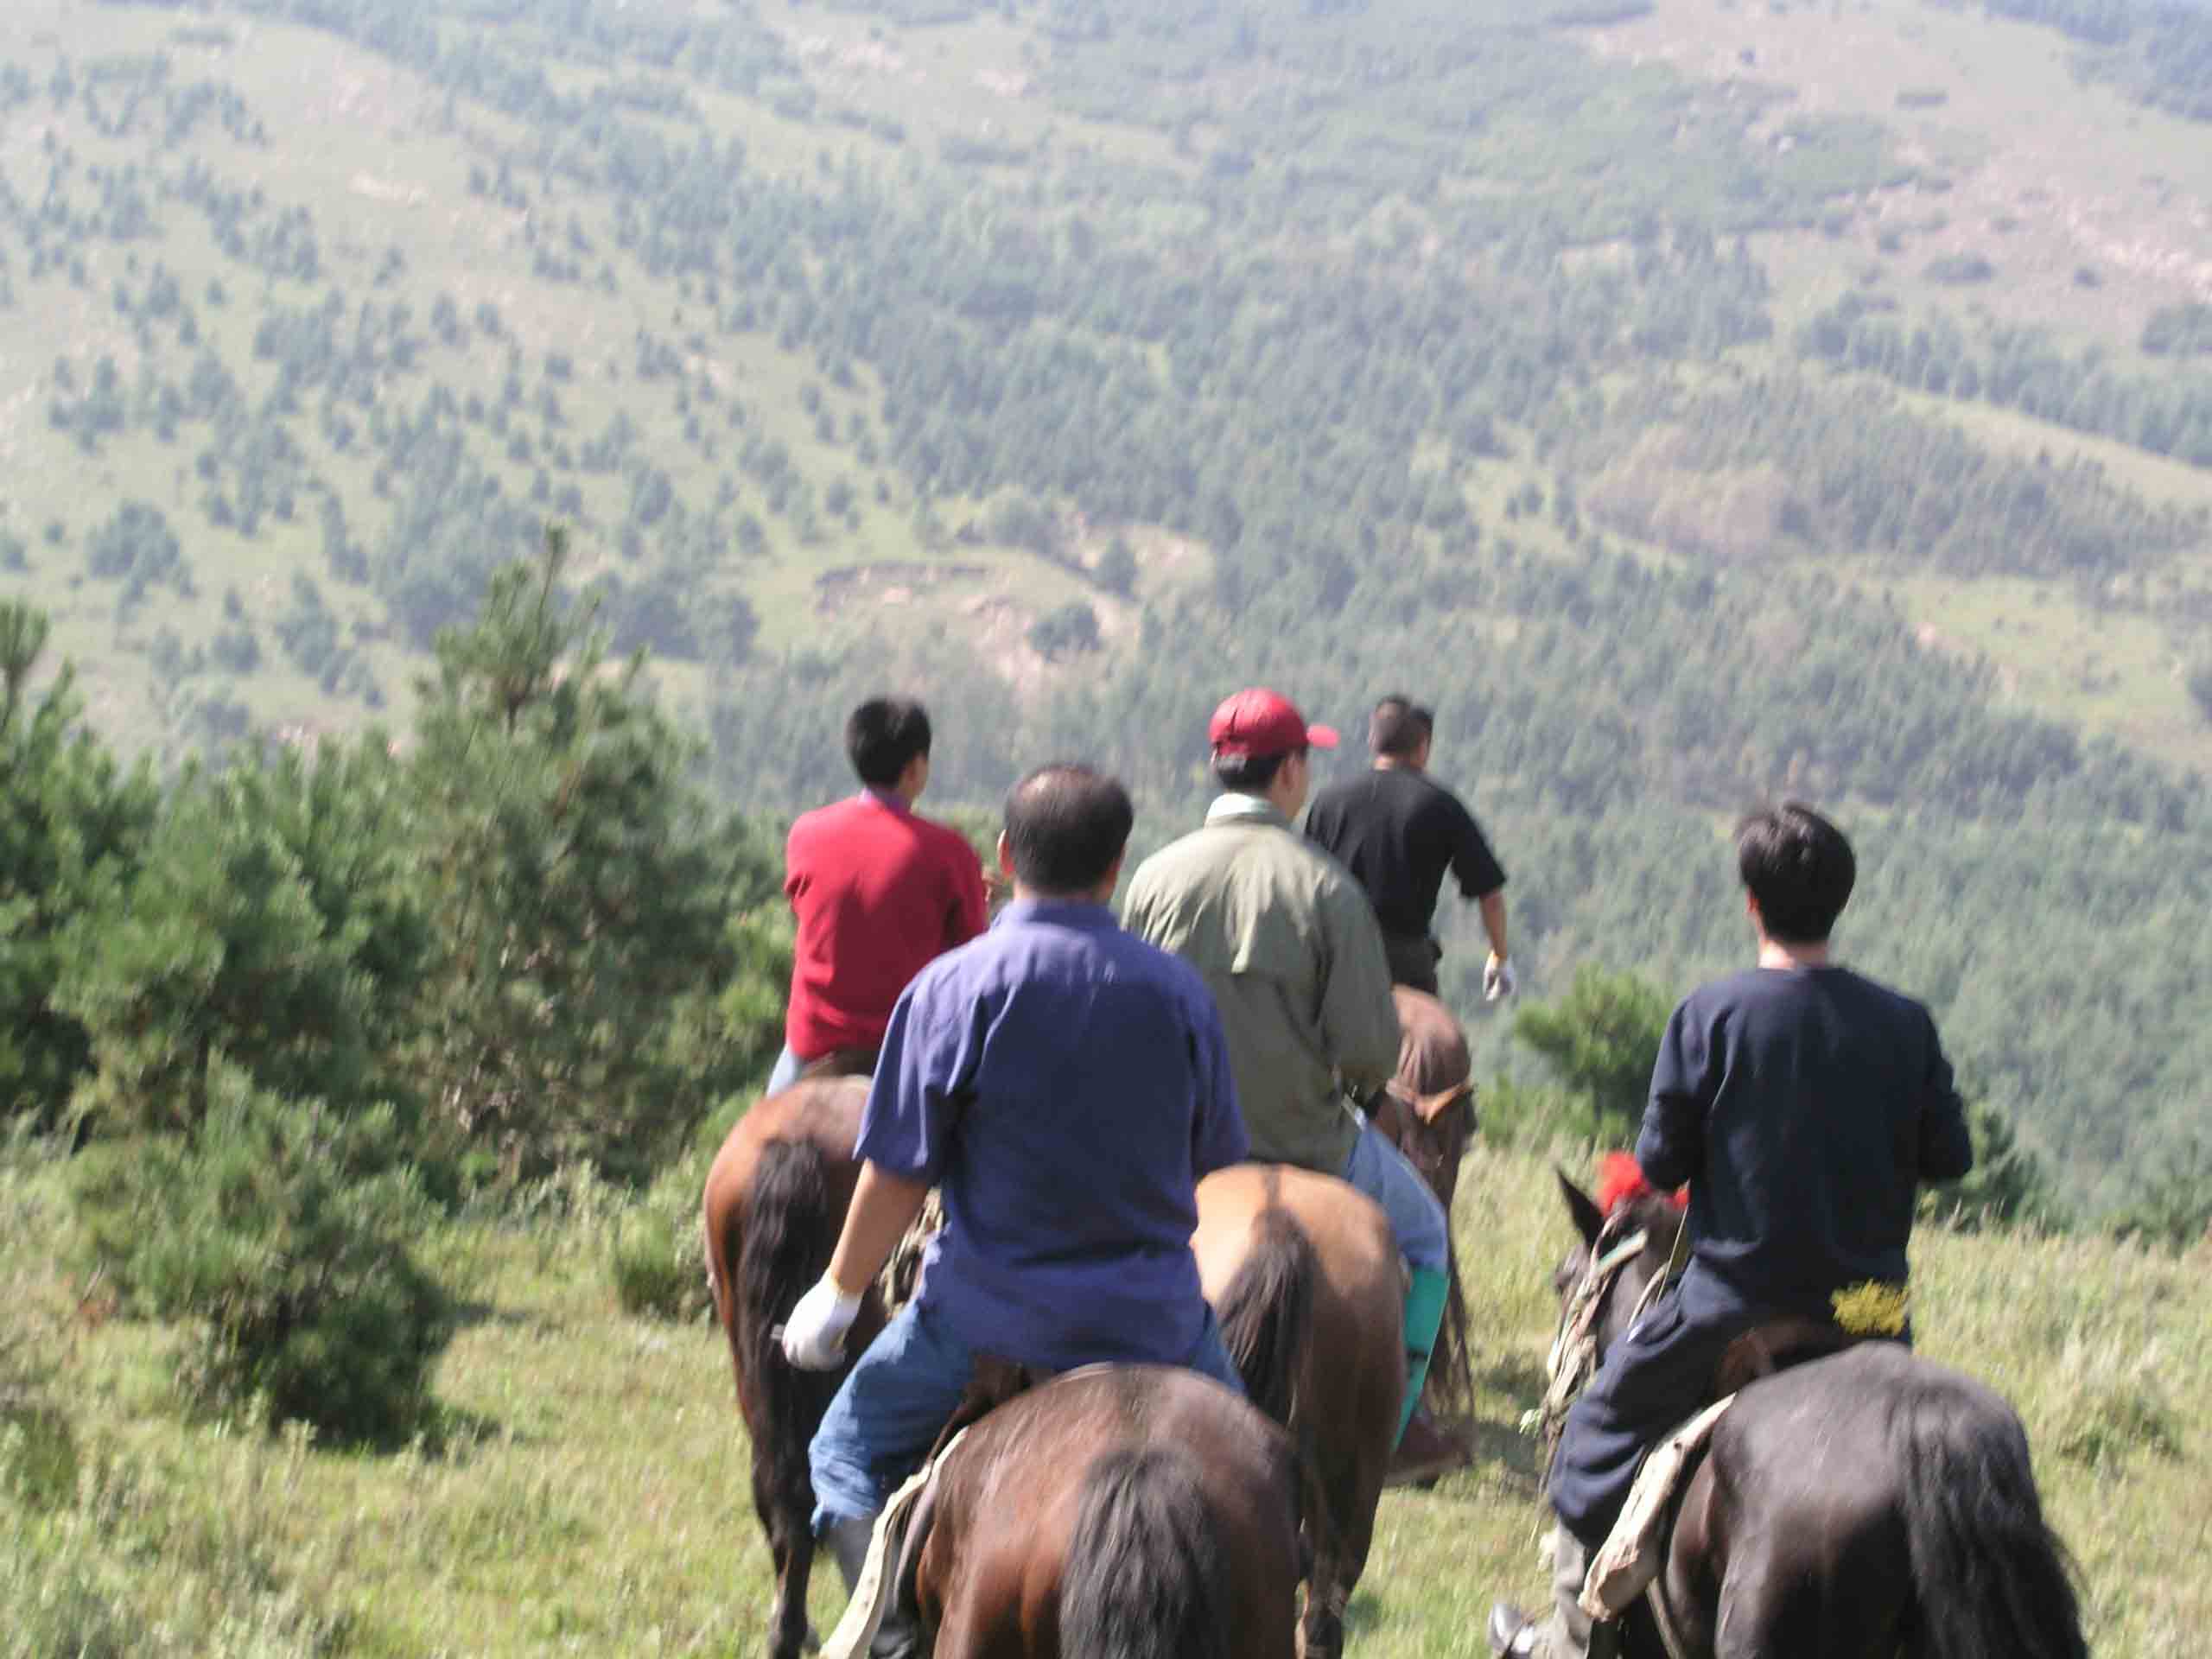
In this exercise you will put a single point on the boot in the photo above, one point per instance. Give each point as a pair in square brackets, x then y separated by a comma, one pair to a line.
[1568, 1634]
[898, 1634]
[1425, 1298]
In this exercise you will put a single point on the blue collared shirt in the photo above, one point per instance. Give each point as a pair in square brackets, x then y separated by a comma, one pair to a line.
[1065, 1085]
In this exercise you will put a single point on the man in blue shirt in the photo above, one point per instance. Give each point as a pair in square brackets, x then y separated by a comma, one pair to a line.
[1804, 1104]
[1065, 1086]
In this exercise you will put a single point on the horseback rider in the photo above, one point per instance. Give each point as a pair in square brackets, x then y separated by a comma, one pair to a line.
[1398, 830]
[1065, 1086]
[1288, 945]
[1804, 1104]
[877, 889]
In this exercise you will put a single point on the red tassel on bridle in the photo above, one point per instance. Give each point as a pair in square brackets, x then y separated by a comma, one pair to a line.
[1620, 1180]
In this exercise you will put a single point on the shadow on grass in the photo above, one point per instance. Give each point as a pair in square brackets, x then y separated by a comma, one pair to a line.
[1519, 1379]
[1503, 1451]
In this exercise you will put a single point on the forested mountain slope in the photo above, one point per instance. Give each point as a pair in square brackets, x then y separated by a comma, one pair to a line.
[1686, 431]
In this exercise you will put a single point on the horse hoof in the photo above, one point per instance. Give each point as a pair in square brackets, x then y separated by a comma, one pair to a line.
[809, 1642]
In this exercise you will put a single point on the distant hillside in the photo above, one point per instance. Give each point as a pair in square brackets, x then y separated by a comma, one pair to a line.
[1697, 400]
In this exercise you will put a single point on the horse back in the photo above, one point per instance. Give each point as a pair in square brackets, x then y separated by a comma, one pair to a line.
[1113, 1482]
[1808, 1528]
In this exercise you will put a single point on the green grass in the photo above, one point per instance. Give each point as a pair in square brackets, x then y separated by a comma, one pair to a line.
[590, 1494]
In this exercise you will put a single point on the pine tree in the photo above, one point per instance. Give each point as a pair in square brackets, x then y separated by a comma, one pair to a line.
[73, 826]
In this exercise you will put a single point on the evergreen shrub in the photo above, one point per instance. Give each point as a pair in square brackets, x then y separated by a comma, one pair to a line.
[280, 1231]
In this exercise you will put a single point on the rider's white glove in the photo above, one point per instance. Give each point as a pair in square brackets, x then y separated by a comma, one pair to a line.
[1498, 979]
[813, 1336]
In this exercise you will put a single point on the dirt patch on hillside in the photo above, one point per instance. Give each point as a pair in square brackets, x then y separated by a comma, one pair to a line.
[887, 582]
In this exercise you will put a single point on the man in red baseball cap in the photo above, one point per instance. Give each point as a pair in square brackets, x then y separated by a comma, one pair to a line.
[1289, 945]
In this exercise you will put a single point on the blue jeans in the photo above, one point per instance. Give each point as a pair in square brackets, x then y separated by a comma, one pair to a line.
[788, 1066]
[882, 1422]
[1380, 1170]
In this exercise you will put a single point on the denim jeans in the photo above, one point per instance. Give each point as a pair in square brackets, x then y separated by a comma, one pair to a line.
[788, 1066]
[1380, 1170]
[882, 1422]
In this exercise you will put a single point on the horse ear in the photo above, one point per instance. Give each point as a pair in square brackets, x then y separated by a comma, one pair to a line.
[1589, 1220]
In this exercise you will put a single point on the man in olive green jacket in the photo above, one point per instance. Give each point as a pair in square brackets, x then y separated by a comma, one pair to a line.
[1288, 941]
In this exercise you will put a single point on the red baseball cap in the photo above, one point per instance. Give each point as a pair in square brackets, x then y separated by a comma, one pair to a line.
[1257, 722]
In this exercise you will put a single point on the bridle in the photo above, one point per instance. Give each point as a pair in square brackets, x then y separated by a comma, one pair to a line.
[1574, 1357]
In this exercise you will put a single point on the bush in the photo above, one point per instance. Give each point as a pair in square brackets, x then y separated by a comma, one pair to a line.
[655, 1258]
[1602, 1039]
[280, 1231]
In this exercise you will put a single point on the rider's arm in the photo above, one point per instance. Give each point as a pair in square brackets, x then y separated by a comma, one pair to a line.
[1492, 904]
[884, 1206]
[1217, 1136]
[1946, 1146]
[1360, 1021]
[1671, 1147]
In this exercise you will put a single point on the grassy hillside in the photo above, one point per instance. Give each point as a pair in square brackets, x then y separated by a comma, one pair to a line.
[587, 1492]
[372, 173]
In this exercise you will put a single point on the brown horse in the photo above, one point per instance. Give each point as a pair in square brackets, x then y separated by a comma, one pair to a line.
[1117, 1512]
[1303, 1272]
[1427, 1112]
[1864, 1505]
[775, 1200]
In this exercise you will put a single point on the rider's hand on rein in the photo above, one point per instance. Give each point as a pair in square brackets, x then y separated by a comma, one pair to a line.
[814, 1337]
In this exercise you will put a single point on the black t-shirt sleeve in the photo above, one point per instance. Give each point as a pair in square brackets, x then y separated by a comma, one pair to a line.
[1946, 1146]
[1472, 861]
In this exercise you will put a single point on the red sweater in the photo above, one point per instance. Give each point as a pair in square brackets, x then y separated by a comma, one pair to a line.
[879, 892]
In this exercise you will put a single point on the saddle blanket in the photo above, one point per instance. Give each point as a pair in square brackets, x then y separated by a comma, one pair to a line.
[872, 1592]
[1633, 1554]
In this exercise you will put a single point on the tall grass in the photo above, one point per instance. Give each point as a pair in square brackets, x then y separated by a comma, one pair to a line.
[586, 1488]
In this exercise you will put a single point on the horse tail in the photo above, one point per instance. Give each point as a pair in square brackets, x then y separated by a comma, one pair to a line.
[790, 1234]
[1991, 1580]
[1146, 1571]
[1267, 1312]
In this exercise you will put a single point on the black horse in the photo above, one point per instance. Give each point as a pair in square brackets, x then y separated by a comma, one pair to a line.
[1869, 1505]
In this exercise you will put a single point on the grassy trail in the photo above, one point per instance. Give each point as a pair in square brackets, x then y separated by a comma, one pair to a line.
[591, 1497]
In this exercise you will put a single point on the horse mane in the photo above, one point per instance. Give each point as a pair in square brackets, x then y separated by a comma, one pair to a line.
[1144, 1564]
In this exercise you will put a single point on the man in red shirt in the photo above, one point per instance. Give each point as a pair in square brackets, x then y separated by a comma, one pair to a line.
[878, 891]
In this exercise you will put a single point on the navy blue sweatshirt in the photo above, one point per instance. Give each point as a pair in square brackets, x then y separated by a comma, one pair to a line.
[1804, 1106]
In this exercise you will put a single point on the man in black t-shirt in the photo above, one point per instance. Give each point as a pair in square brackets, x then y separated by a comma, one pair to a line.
[1397, 830]
[1804, 1105]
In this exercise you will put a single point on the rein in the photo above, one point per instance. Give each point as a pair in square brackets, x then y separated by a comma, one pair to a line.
[1574, 1357]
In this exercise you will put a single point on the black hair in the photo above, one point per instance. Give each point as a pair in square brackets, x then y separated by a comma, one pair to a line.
[1065, 824]
[1799, 867]
[1399, 726]
[1250, 774]
[883, 737]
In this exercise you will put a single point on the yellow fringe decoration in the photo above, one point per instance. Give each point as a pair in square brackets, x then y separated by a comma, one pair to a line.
[1872, 1309]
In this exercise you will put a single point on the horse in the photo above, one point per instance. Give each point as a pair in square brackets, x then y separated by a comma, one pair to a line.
[1115, 1512]
[1864, 1504]
[775, 1199]
[1303, 1272]
[1427, 1112]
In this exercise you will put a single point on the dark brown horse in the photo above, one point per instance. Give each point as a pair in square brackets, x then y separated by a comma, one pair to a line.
[1118, 1512]
[1304, 1274]
[775, 1200]
[1865, 1505]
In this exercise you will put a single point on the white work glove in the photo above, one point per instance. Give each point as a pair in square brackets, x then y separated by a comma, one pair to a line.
[813, 1336]
[1498, 979]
